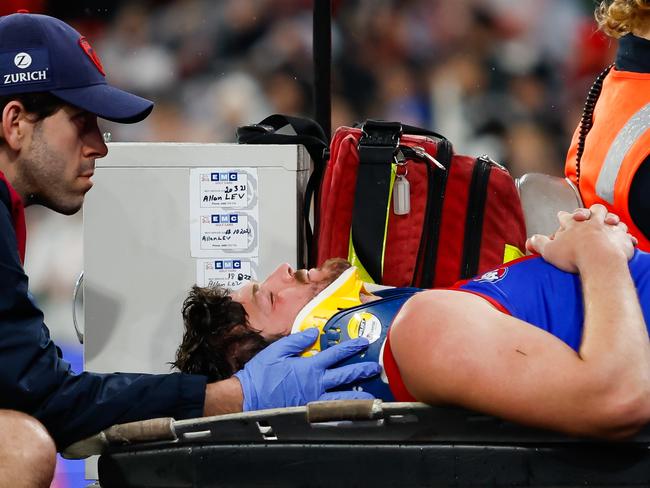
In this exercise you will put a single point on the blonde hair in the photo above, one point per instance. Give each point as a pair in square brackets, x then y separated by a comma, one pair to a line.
[619, 17]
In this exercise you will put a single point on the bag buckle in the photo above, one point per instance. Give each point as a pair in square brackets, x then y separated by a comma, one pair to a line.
[379, 141]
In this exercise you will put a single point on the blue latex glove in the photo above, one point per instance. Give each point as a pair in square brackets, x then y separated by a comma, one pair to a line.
[276, 378]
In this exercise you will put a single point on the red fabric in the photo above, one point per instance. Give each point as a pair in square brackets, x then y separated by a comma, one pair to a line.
[395, 382]
[452, 227]
[405, 231]
[503, 221]
[13, 6]
[18, 217]
[336, 213]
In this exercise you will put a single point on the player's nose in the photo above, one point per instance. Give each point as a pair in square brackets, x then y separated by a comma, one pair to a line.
[283, 273]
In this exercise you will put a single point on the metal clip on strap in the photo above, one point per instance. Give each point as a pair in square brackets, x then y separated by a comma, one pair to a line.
[378, 142]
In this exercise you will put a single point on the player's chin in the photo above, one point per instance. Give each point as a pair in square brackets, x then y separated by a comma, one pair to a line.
[69, 205]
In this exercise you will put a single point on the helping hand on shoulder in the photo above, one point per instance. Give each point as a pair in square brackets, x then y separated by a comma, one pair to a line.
[584, 235]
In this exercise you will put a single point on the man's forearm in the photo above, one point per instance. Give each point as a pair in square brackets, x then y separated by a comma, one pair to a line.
[613, 319]
[615, 341]
[223, 397]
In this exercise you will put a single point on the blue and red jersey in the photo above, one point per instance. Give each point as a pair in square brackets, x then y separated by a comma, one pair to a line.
[529, 289]
[532, 290]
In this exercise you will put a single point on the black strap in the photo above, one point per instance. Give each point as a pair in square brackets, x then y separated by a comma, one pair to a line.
[377, 146]
[309, 134]
[474, 219]
[586, 121]
[406, 129]
[430, 238]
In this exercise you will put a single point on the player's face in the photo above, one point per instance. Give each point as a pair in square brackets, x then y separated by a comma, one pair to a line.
[58, 159]
[273, 304]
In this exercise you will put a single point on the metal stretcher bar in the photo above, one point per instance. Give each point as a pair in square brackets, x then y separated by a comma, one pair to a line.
[366, 443]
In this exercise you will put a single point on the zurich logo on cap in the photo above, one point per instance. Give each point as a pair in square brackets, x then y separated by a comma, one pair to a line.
[24, 68]
[22, 60]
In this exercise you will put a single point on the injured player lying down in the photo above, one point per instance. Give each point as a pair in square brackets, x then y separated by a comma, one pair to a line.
[557, 341]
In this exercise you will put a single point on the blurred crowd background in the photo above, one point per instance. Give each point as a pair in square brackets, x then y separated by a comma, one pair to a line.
[506, 78]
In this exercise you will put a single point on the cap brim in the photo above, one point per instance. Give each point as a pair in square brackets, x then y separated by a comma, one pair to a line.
[107, 102]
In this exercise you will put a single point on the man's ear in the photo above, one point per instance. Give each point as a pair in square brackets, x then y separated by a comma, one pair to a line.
[14, 117]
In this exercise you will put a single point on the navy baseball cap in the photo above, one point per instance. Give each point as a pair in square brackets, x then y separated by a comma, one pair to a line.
[39, 53]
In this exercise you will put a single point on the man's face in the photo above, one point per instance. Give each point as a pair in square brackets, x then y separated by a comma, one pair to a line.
[273, 304]
[58, 159]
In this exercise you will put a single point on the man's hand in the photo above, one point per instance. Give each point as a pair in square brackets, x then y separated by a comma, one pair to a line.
[276, 378]
[584, 234]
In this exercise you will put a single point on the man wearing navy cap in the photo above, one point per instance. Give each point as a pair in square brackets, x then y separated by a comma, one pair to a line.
[52, 89]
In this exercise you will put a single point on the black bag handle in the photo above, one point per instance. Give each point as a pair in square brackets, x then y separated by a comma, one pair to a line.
[309, 134]
[405, 129]
[377, 146]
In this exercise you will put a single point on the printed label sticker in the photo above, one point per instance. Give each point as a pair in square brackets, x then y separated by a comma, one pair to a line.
[229, 273]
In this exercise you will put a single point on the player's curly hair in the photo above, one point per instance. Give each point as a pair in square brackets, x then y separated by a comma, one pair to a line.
[619, 17]
[217, 341]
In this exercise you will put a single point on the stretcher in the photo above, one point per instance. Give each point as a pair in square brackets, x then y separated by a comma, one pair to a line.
[358, 443]
[369, 443]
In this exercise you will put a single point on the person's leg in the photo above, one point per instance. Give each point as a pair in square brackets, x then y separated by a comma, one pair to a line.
[27, 452]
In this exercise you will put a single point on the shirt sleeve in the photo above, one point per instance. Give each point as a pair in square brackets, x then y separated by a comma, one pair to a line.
[35, 379]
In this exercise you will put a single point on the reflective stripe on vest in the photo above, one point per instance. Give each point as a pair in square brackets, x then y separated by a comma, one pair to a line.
[625, 139]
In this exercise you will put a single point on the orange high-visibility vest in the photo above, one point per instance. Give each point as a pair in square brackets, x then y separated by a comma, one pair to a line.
[615, 147]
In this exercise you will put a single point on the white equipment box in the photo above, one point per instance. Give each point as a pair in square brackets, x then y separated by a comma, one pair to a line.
[140, 257]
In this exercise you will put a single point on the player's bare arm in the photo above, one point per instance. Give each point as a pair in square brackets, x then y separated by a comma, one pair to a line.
[458, 349]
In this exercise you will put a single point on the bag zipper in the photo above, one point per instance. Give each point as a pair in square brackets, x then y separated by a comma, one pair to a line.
[437, 181]
[475, 214]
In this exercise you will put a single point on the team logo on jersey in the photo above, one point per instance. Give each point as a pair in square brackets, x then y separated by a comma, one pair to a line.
[364, 324]
[492, 276]
[91, 53]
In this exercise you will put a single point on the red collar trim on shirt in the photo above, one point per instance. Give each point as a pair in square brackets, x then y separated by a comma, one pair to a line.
[395, 383]
[18, 217]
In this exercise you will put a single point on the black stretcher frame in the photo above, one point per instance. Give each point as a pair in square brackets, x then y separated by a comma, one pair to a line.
[366, 443]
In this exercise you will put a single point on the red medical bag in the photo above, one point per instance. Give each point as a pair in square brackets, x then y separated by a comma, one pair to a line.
[397, 202]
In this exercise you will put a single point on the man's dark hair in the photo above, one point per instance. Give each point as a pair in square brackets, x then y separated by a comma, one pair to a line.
[218, 340]
[41, 104]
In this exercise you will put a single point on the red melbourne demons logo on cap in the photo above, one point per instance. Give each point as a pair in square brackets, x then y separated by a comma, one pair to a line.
[492, 276]
[88, 49]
